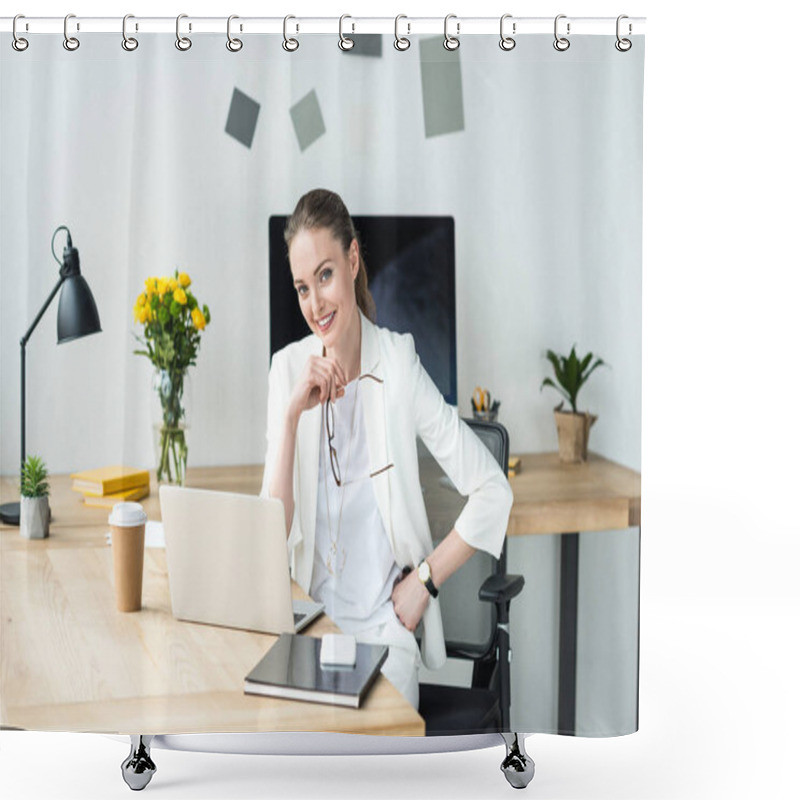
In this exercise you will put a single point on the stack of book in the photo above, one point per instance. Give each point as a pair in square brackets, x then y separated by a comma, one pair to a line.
[104, 487]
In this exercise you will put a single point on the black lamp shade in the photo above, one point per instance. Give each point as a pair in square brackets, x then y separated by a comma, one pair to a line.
[77, 311]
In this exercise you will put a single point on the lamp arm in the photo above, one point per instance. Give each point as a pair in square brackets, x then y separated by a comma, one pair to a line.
[22, 342]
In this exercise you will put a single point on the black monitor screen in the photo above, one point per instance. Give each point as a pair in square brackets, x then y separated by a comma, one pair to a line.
[411, 269]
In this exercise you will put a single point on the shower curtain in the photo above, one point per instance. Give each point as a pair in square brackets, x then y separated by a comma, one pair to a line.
[165, 162]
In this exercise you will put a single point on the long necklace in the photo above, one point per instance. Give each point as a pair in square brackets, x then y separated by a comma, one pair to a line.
[332, 560]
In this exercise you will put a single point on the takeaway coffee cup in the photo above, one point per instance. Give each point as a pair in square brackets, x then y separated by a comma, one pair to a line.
[127, 521]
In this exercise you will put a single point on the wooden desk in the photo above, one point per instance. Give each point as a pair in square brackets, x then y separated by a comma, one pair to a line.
[169, 677]
[70, 661]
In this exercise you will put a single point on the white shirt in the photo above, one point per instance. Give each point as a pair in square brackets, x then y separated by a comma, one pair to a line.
[354, 568]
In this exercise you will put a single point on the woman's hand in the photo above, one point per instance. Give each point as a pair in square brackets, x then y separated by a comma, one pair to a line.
[410, 599]
[322, 379]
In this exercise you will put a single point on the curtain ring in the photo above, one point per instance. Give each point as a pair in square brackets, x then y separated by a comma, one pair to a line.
[183, 43]
[401, 43]
[561, 43]
[507, 42]
[345, 43]
[70, 42]
[623, 45]
[450, 42]
[18, 43]
[128, 42]
[289, 45]
[234, 45]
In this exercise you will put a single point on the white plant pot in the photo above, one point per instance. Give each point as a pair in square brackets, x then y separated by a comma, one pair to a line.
[34, 517]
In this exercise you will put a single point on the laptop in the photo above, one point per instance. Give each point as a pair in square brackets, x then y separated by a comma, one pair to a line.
[228, 562]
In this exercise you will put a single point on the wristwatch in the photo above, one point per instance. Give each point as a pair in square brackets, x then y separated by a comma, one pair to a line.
[424, 574]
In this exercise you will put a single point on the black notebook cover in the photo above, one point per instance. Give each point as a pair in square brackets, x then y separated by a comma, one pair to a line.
[291, 669]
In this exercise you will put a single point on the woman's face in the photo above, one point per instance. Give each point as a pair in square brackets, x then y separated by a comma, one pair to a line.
[324, 277]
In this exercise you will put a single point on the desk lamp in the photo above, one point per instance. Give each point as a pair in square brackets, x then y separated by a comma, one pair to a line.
[77, 317]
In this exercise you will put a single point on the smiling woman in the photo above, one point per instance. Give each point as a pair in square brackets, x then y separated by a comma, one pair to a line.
[359, 539]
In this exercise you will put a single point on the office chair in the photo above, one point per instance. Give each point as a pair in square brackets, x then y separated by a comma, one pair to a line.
[475, 609]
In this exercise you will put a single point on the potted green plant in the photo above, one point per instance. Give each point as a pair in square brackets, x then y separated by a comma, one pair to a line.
[571, 373]
[34, 510]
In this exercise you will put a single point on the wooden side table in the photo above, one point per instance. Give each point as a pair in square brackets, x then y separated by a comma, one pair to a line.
[555, 498]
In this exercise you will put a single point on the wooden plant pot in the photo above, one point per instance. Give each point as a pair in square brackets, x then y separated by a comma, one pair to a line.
[34, 517]
[573, 435]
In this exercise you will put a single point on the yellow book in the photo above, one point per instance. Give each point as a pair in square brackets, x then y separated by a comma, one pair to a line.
[514, 464]
[108, 480]
[110, 500]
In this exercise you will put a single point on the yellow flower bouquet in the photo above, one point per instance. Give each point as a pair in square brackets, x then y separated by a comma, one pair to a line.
[173, 321]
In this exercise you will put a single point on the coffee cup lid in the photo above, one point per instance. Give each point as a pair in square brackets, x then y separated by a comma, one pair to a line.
[127, 515]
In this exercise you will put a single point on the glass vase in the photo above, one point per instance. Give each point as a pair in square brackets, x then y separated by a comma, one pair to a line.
[170, 424]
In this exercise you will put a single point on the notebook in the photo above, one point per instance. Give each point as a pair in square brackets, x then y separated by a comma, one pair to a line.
[228, 561]
[291, 669]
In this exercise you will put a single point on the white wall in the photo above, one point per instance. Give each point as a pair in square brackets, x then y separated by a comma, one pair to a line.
[130, 152]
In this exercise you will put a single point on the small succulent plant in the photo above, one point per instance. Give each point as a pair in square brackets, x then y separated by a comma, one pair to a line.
[33, 478]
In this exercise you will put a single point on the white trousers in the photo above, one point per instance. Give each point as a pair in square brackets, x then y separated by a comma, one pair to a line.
[402, 665]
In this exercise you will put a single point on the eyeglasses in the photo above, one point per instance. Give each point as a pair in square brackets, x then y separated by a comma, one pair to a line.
[329, 426]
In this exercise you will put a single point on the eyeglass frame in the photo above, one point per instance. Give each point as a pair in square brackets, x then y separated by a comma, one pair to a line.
[330, 430]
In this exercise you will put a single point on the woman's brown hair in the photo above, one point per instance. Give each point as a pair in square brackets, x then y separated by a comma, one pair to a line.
[322, 208]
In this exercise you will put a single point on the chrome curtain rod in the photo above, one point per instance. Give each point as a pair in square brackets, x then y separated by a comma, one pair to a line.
[456, 26]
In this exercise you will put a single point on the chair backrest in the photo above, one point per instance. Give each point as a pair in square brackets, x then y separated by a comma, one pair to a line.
[469, 624]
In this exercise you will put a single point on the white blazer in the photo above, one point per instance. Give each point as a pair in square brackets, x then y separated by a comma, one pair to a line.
[405, 405]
